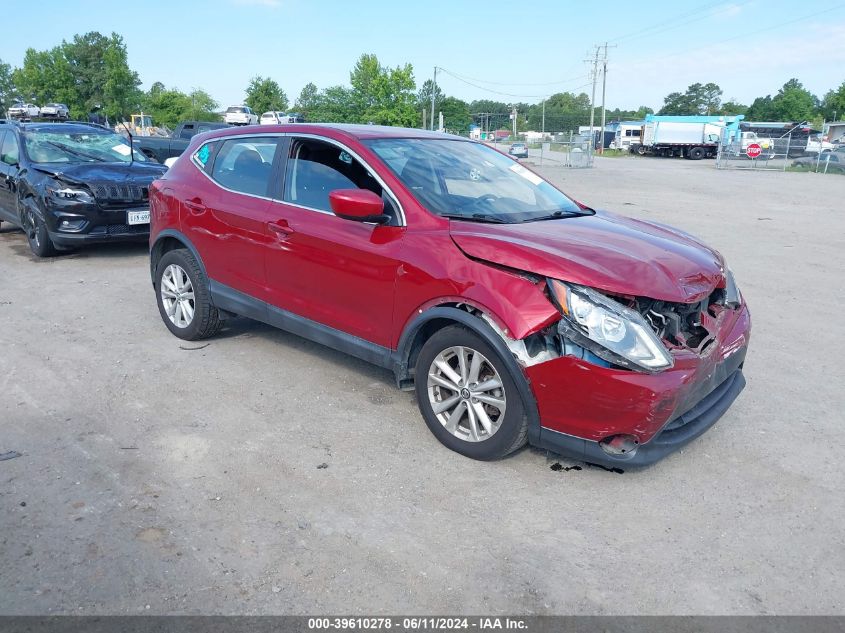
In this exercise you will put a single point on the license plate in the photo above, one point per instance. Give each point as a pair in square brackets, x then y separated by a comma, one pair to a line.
[138, 217]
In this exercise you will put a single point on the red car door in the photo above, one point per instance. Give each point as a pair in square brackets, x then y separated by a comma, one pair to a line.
[337, 272]
[226, 217]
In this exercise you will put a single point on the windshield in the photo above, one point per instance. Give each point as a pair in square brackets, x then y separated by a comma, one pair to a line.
[471, 181]
[75, 146]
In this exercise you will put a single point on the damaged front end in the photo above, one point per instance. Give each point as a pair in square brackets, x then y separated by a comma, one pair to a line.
[626, 378]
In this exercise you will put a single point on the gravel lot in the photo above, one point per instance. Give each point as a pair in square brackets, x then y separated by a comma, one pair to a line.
[263, 474]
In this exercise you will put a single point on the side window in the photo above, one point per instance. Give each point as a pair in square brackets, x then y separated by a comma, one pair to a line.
[9, 152]
[187, 132]
[315, 169]
[203, 155]
[245, 164]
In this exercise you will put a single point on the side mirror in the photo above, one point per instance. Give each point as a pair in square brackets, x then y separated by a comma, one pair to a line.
[360, 205]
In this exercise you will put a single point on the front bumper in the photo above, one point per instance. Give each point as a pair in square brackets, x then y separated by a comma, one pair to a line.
[580, 404]
[98, 226]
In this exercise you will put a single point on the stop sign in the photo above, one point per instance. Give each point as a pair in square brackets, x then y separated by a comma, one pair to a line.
[753, 150]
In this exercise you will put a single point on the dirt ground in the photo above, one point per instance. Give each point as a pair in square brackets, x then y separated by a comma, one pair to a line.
[263, 474]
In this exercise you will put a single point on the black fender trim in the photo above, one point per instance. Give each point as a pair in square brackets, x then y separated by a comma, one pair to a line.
[482, 329]
[178, 235]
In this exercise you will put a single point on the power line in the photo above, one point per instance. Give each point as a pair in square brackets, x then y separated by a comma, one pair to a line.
[505, 83]
[701, 9]
[497, 92]
[710, 45]
[686, 22]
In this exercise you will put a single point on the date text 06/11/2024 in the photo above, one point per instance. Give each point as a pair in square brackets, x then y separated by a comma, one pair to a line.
[416, 623]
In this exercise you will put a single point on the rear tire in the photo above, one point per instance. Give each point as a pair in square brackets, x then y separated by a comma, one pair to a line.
[696, 153]
[183, 297]
[486, 419]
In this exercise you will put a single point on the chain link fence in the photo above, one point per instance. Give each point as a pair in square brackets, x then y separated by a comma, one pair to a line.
[779, 154]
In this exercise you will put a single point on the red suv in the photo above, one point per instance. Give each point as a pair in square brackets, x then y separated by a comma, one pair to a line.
[517, 314]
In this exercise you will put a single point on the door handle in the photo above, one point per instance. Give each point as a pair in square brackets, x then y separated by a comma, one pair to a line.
[281, 228]
[196, 206]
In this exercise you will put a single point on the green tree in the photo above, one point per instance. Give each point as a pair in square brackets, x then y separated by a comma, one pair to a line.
[169, 107]
[424, 98]
[564, 111]
[833, 105]
[794, 103]
[264, 94]
[456, 116]
[381, 94]
[7, 87]
[89, 71]
[698, 99]
[100, 71]
[307, 100]
[203, 106]
[761, 109]
[732, 107]
[333, 105]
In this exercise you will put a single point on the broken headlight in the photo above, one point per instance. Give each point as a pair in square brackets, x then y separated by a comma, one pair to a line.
[733, 297]
[609, 329]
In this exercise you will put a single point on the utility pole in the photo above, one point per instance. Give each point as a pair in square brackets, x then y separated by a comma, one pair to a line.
[543, 127]
[433, 93]
[603, 90]
[514, 114]
[593, 101]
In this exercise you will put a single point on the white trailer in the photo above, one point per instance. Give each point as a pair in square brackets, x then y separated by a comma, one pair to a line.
[679, 138]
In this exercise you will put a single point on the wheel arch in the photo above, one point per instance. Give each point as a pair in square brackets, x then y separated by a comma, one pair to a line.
[169, 240]
[426, 323]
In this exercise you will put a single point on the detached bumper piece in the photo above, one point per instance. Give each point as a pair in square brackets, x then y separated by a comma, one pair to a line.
[675, 434]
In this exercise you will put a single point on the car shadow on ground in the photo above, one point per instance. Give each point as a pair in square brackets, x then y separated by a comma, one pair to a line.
[246, 328]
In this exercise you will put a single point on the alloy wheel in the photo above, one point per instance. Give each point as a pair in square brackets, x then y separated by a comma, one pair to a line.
[466, 394]
[177, 296]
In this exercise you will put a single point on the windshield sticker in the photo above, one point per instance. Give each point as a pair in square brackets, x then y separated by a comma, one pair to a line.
[474, 174]
[202, 155]
[530, 176]
[121, 149]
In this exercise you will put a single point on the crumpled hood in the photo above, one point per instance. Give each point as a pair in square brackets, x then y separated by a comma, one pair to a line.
[81, 173]
[606, 251]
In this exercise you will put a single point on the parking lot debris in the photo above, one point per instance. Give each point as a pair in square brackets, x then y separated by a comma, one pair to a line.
[557, 467]
[191, 349]
[9, 455]
[323, 465]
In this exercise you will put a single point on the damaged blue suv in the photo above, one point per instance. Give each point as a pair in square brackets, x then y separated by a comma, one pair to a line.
[71, 184]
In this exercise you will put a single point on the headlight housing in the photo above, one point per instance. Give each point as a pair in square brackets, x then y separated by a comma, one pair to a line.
[68, 195]
[608, 329]
[733, 297]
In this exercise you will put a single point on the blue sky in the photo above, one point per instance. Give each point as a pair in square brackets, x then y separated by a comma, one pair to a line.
[523, 49]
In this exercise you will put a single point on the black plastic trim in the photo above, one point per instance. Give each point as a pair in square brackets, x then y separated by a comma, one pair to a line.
[178, 235]
[232, 300]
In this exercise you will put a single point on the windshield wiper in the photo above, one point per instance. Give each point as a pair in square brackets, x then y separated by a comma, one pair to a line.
[75, 152]
[557, 215]
[475, 217]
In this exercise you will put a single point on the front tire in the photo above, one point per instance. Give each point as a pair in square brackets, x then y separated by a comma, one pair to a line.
[183, 297]
[36, 234]
[468, 397]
